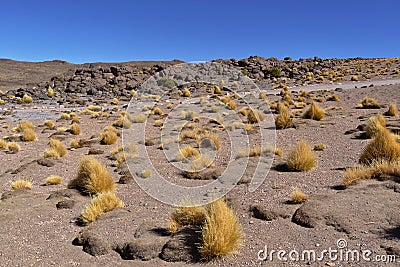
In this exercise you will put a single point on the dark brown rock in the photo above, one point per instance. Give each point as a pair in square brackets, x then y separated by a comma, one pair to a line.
[46, 162]
[182, 247]
[94, 151]
[65, 204]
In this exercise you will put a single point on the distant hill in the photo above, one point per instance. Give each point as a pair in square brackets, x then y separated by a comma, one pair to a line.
[15, 74]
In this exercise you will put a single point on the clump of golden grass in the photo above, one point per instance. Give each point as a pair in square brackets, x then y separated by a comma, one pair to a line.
[49, 123]
[188, 152]
[53, 180]
[29, 135]
[13, 147]
[320, 147]
[101, 203]
[170, 106]
[75, 144]
[353, 175]
[24, 125]
[217, 90]
[283, 120]
[138, 119]
[262, 95]
[21, 183]
[368, 102]
[157, 111]
[27, 99]
[186, 92]
[244, 111]
[192, 216]
[92, 177]
[255, 116]
[333, 97]
[314, 112]
[303, 93]
[61, 129]
[108, 136]
[247, 127]
[221, 232]
[301, 158]
[354, 78]
[50, 92]
[94, 108]
[297, 196]
[75, 129]
[201, 163]
[377, 169]
[95, 114]
[384, 146]
[123, 121]
[258, 151]
[232, 105]
[158, 123]
[375, 124]
[115, 101]
[65, 116]
[3, 144]
[145, 173]
[56, 149]
[188, 115]
[213, 139]
[393, 111]
[129, 152]
[51, 153]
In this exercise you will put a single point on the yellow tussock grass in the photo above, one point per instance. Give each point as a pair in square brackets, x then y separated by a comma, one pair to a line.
[301, 158]
[92, 177]
[101, 203]
[53, 180]
[297, 196]
[221, 232]
[108, 136]
[314, 112]
[21, 183]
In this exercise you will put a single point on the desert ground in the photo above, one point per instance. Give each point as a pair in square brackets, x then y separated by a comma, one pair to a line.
[341, 185]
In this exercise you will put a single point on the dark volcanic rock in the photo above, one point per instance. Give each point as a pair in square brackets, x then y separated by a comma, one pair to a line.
[45, 162]
[182, 247]
[264, 213]
[345, 210]
[65, 204]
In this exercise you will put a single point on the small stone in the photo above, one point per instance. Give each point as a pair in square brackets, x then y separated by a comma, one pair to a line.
[65, 204]
[45, 162]
[94, 151]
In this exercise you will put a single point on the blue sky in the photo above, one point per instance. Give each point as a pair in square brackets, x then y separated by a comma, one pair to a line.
[123, 30]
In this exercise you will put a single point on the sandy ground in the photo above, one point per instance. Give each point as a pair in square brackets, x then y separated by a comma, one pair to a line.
[35, 233]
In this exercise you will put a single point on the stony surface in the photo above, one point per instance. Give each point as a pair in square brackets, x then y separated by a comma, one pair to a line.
[41, 226]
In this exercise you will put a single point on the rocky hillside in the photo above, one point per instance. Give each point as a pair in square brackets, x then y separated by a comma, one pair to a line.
[118, 80]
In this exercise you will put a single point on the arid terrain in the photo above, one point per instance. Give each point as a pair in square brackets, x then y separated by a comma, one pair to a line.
[318, 205]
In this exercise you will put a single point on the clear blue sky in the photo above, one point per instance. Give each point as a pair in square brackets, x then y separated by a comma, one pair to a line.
[123, 30]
